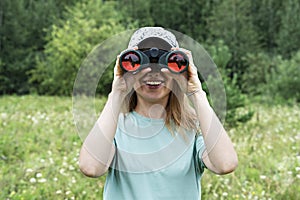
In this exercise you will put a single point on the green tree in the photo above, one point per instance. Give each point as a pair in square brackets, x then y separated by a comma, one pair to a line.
[22, 37]
[136, 13]
[266, 19]
[284, 80]
[231, 21]
[85, 25]
[188, 17]
[289, 32]
[259, 67]
[236, 110]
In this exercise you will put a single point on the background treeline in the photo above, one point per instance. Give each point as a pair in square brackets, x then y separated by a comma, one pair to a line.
[254, 43]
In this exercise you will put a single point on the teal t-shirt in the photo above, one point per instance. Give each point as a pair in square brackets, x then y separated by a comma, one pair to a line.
[150, 163]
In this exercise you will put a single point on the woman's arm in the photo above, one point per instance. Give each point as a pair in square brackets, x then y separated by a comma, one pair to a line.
[219, 156]
[98, 150]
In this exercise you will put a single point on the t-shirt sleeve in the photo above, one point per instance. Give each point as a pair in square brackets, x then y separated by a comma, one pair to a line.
[199, 149]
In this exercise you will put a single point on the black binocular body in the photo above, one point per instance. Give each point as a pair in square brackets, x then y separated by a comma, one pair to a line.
[136, 60]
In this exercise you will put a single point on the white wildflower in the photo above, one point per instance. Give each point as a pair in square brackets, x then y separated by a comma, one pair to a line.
[3, 115]
[39, 175]
[42, 180]
[262, 177]
[225, 194]
[58, 192]
[32, 180]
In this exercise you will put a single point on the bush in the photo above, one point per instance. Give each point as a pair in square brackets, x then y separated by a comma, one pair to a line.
[22, 37]
[272, 78]
[236, 101]
[255, 76]
[86, 25]
[284, 80]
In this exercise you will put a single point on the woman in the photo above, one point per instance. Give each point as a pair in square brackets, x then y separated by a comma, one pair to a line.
[157, 131]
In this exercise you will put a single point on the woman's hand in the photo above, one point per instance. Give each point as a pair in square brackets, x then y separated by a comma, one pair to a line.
[123, 81]
[189, 83]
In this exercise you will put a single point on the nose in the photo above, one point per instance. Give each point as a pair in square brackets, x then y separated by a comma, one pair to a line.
[153, 74]
[155, 68]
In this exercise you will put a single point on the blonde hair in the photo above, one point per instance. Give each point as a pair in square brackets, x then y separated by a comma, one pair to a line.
[179, 112]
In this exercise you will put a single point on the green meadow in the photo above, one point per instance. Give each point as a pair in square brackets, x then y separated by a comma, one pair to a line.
[39, 148]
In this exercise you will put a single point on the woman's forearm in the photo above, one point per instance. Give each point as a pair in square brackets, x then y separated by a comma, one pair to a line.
[98, 150]
[220, 155]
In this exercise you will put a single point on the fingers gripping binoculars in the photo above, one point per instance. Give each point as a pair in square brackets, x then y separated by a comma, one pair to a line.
[136, 60]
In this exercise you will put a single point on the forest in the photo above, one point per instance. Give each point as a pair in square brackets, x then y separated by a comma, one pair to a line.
[254, 43]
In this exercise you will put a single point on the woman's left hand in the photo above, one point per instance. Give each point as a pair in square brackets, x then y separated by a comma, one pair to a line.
[189, 83]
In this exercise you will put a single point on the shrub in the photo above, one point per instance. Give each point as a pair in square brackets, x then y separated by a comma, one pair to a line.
[284, 80]
[86, 25]
[255, 76]
[235, 100]
[22, 38]
[272, 78]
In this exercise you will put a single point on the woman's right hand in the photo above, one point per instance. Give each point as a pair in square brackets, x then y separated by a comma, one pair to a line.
[124, 81]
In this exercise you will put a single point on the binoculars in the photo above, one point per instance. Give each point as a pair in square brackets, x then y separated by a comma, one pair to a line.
[136, 60]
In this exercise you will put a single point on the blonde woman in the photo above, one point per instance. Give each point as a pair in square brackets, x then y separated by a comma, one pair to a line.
[157, 132]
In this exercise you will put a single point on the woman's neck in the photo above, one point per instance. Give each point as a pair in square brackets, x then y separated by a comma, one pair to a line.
[151, 110]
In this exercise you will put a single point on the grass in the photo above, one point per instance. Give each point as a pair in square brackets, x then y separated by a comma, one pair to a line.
[269, 158]
[39, 149]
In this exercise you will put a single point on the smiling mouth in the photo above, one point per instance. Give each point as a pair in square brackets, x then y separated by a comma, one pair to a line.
[153, 83]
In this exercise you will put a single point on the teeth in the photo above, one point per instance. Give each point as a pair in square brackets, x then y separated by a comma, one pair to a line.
[153, 82]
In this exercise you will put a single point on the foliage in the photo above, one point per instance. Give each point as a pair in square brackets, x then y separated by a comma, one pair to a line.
[289, 28]
[232, 22]
[135, 13]
[21, 39]
[86, 25]
[255, 77]
[35, 36]
[273, 78]
[39, 150]
[238, 110]
[283, 82]
[267, 23]
[235, 100]
[220, 54]
[188, 17]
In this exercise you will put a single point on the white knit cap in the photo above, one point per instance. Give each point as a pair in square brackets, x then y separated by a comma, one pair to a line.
[150, 32]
